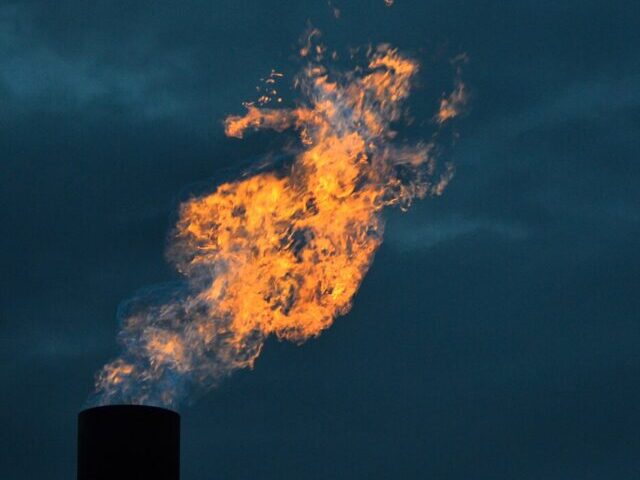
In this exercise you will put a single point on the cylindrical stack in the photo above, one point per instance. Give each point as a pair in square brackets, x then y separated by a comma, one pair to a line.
[127, 442]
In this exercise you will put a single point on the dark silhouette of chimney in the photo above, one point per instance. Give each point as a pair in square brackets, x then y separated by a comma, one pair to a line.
[127, 442]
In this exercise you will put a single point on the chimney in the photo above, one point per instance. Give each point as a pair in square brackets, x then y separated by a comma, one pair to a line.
[127, 442]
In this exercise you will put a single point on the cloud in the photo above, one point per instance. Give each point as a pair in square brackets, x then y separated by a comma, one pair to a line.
[36, 75]
[407, 235]
[592, 99]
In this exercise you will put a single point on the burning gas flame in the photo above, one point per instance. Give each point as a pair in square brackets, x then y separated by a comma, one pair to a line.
[283, 252]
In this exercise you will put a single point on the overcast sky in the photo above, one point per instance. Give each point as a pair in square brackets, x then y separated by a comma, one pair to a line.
[496, 335]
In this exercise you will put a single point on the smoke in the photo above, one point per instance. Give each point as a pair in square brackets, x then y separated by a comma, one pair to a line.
[280, 252]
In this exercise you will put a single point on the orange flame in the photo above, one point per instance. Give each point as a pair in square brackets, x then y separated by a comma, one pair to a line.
[280, 253]
[452, 105]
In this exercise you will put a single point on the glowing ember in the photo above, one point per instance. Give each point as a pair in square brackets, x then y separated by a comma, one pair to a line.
[281, 252]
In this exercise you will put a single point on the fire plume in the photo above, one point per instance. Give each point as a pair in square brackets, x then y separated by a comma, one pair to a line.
[283, 252]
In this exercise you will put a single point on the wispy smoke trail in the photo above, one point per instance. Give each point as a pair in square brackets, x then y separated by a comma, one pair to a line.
[279, 253]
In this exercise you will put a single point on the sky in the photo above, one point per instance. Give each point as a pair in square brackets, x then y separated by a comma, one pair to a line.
[495, 336]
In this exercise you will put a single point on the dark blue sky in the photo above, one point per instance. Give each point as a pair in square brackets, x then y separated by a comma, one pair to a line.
[496, 335]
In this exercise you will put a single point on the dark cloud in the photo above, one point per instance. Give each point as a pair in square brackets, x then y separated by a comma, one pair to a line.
[496, 334]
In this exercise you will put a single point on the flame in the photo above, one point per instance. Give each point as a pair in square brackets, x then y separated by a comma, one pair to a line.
[282, 252]
[452, 105]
